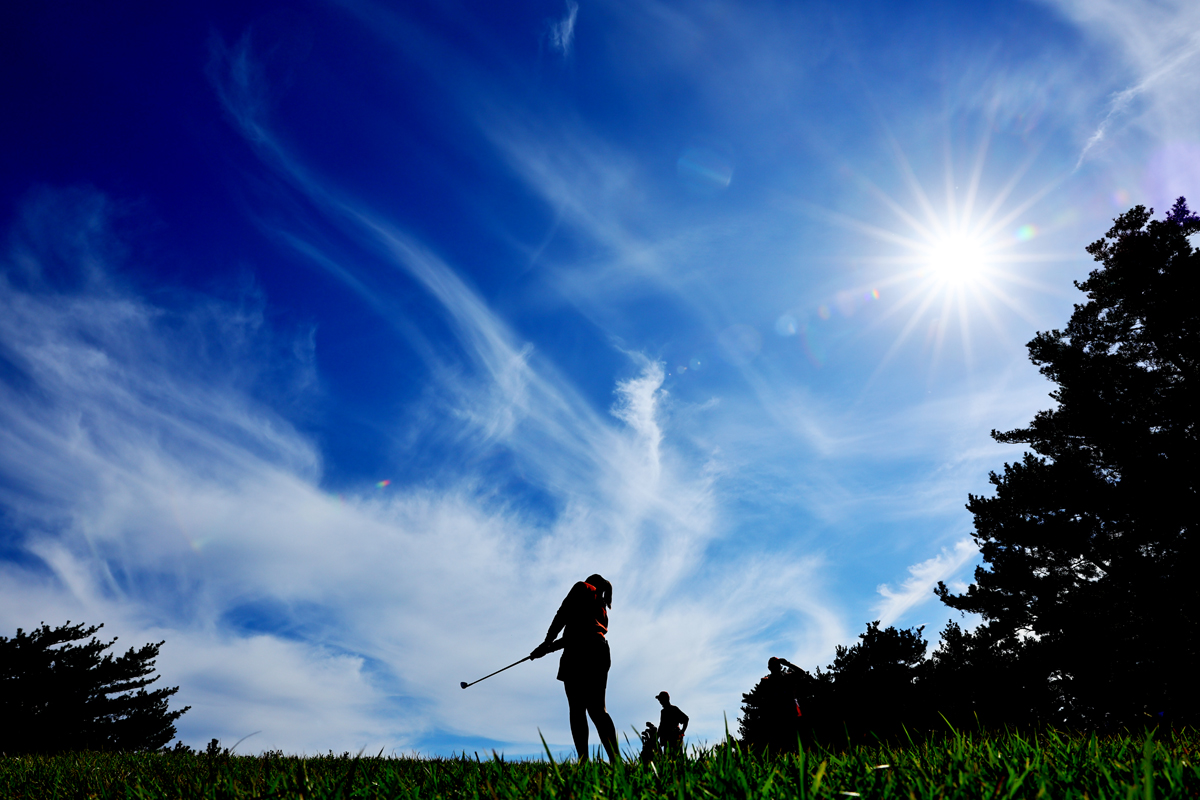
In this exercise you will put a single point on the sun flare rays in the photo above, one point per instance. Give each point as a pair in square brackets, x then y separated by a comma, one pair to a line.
[954, 269]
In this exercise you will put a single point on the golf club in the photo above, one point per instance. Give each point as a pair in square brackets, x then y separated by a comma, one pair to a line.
[464, 684]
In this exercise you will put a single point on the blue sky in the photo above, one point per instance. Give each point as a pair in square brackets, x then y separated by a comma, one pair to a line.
[339, 339]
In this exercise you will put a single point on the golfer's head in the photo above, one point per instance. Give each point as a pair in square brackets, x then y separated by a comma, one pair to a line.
[602, 586]
[774, 665]
[663, 698]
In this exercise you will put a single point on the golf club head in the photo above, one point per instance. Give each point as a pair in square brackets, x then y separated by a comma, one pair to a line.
[463, 684]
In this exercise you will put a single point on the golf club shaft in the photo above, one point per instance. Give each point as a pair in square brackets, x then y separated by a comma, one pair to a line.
[497, 672]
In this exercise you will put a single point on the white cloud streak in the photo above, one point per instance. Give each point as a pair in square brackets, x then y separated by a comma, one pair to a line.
[1160, 43]
[562, 32]
[923, 577]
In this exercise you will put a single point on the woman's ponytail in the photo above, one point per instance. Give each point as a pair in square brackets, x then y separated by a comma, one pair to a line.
[603, 587]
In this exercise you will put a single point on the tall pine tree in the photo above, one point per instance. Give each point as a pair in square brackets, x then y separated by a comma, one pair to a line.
[1090, 541]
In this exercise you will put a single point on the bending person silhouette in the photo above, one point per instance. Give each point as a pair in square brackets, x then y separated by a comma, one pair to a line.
[672, 724]
[781, 708]
[782, 690]
[583, 669]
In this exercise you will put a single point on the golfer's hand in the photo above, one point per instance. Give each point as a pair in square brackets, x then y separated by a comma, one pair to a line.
[541, 650]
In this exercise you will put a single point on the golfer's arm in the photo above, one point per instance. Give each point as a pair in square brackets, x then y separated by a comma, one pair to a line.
[560, 618]
[560, 622]
[683, 729]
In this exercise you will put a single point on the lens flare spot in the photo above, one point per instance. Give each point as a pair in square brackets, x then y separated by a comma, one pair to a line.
[786, 325]
[383, 483]
[1026, 232]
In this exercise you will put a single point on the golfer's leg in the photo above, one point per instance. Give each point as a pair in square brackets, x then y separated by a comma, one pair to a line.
[600, 718]
[608, 733]
[577, 702]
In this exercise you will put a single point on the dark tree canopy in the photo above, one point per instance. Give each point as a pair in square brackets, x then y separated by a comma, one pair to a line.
[988, 677]
[1090, 540]
[876, 679]
[57, 695]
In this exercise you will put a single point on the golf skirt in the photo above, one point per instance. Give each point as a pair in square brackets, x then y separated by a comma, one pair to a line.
[585, 661]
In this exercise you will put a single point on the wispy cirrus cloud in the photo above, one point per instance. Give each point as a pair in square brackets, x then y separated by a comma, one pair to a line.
[923, 577]
[562, 32]
[1175, 68]
[1159, 43]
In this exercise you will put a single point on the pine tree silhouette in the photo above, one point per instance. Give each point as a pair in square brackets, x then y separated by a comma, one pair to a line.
[1090, 539]
[57, 695]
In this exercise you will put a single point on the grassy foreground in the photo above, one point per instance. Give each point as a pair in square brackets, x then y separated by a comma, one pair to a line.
[1052, 765]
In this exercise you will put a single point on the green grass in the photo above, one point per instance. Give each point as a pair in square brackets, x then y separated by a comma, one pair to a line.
[1051, 765]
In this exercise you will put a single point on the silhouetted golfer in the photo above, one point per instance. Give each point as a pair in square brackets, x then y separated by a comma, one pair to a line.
[583, 669]
[672, 724]
[781, 708]
[775, 669]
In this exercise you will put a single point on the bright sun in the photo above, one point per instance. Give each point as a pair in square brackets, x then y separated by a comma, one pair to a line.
[957, 259]
[954, 263]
